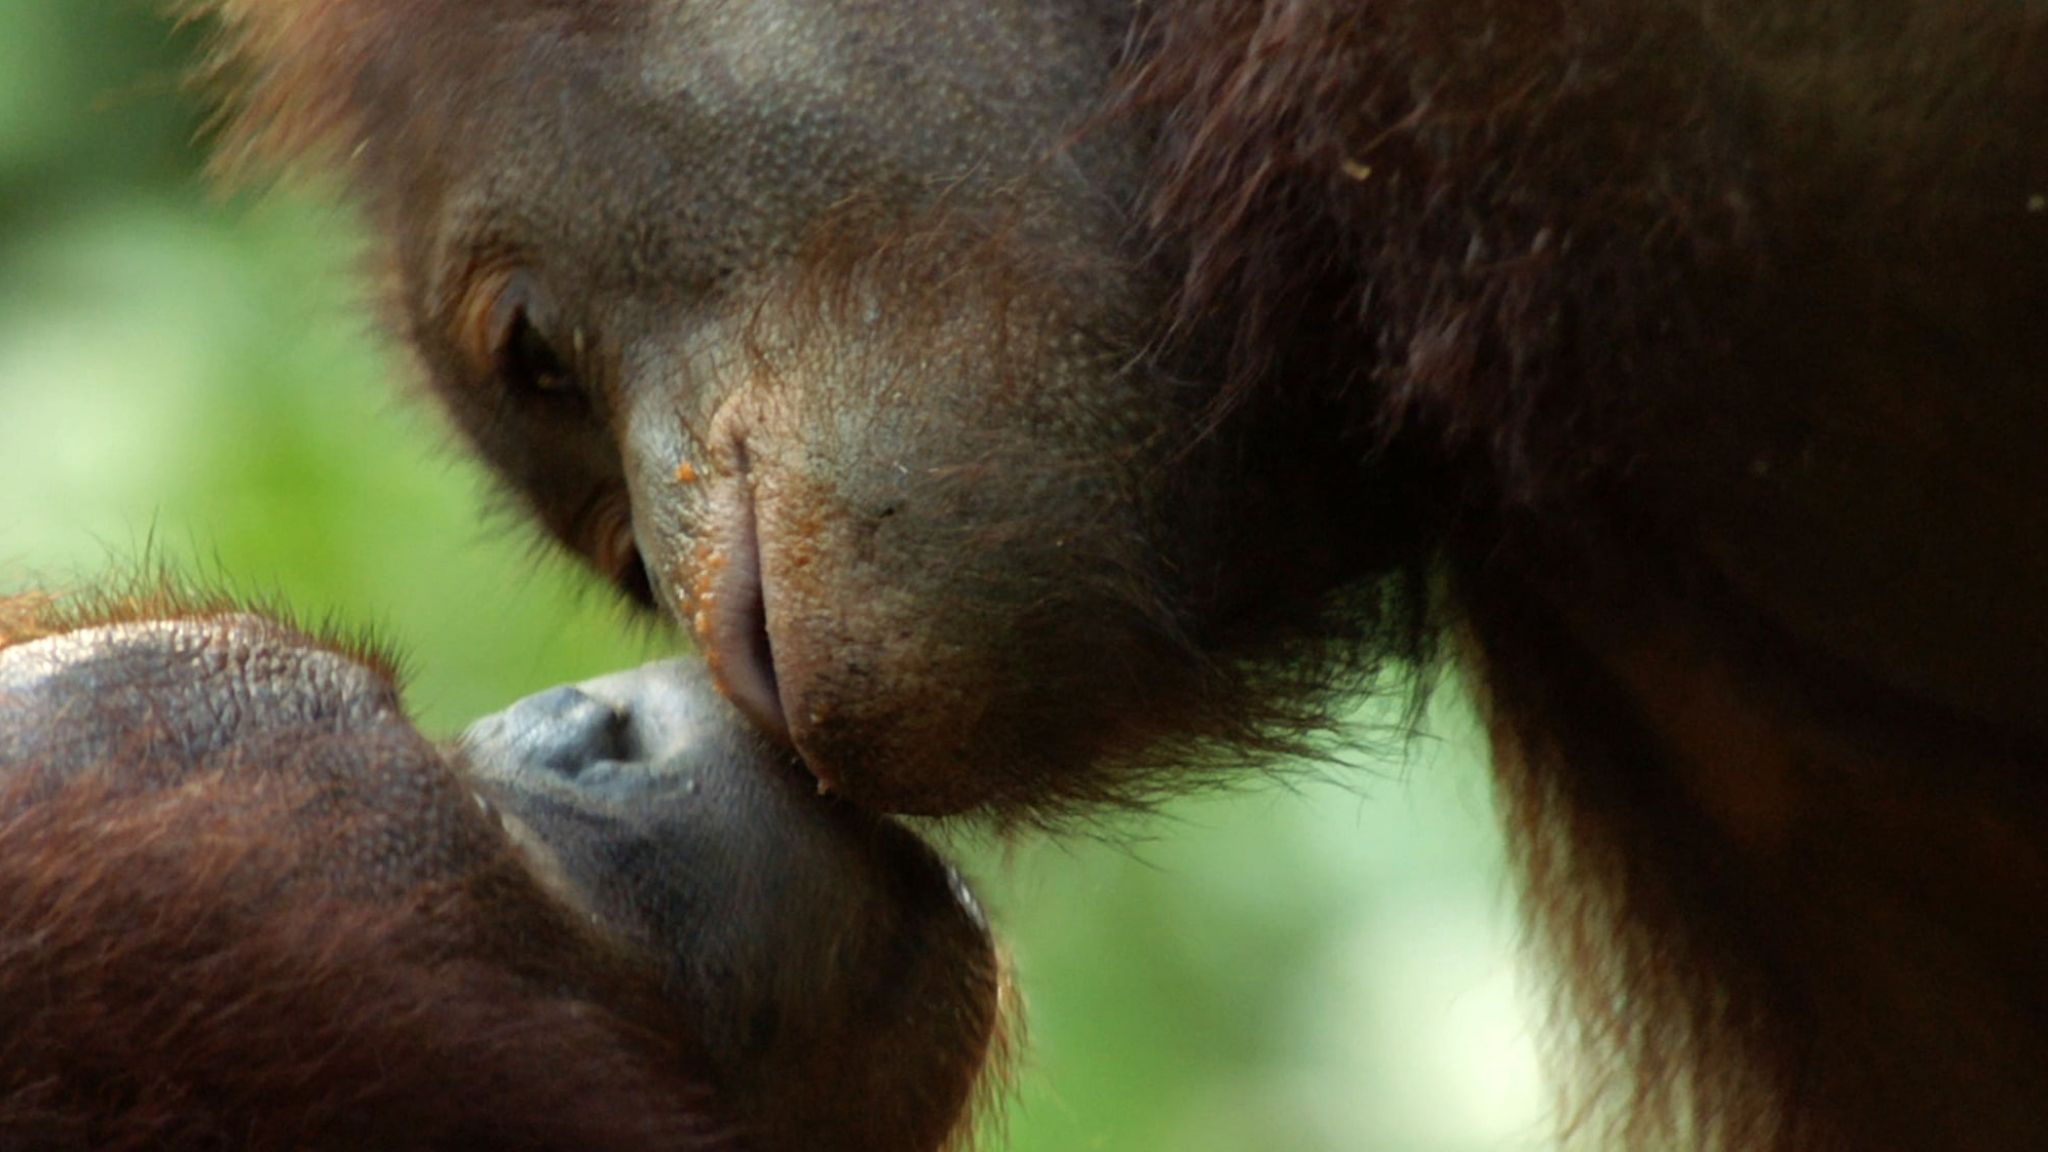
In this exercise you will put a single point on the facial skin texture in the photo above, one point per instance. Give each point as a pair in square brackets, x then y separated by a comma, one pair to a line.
[749, 299]
[1022, 403]
[246, 906]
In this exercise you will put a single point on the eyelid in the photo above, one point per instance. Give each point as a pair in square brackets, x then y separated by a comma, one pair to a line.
[481, 300]
[492, 300]
[514, 299]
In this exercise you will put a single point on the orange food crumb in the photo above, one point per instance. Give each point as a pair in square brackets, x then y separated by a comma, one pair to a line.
[686, 473]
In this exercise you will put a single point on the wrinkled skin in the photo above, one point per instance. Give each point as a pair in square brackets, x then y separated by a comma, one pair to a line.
[718, 952]
[848, 365]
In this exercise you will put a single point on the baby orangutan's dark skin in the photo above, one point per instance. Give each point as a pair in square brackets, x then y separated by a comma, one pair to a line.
[243, 905]
[1024, 402]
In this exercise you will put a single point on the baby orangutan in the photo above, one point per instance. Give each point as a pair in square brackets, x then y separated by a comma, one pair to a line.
[243, 904]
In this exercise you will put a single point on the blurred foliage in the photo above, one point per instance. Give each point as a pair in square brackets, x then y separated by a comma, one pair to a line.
[187, 377]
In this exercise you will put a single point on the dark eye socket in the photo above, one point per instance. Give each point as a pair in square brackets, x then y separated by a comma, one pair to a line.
[521, 339]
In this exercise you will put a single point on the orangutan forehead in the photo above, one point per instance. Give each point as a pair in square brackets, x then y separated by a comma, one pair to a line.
[745, 47]
[312, 79]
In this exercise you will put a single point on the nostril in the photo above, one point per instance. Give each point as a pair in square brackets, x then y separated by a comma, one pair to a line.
[760, 657]
[728, 609]
[563, 730]
[738, 644]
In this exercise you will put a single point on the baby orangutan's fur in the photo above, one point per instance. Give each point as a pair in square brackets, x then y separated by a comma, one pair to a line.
[1674, 366]
[183, 965]
[142, 1011]
[243, 905]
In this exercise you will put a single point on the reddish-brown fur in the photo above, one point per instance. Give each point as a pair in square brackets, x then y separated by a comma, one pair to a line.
[140, 1008]
[208, 965]
[244, 906]
[1714, 314]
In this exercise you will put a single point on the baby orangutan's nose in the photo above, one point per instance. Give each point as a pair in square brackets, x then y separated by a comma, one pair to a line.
[795, 931]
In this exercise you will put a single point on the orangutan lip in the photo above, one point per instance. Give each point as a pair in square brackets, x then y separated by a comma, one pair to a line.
[740, 651]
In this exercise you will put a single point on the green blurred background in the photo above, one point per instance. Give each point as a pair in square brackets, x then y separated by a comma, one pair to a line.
[1327, 966]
